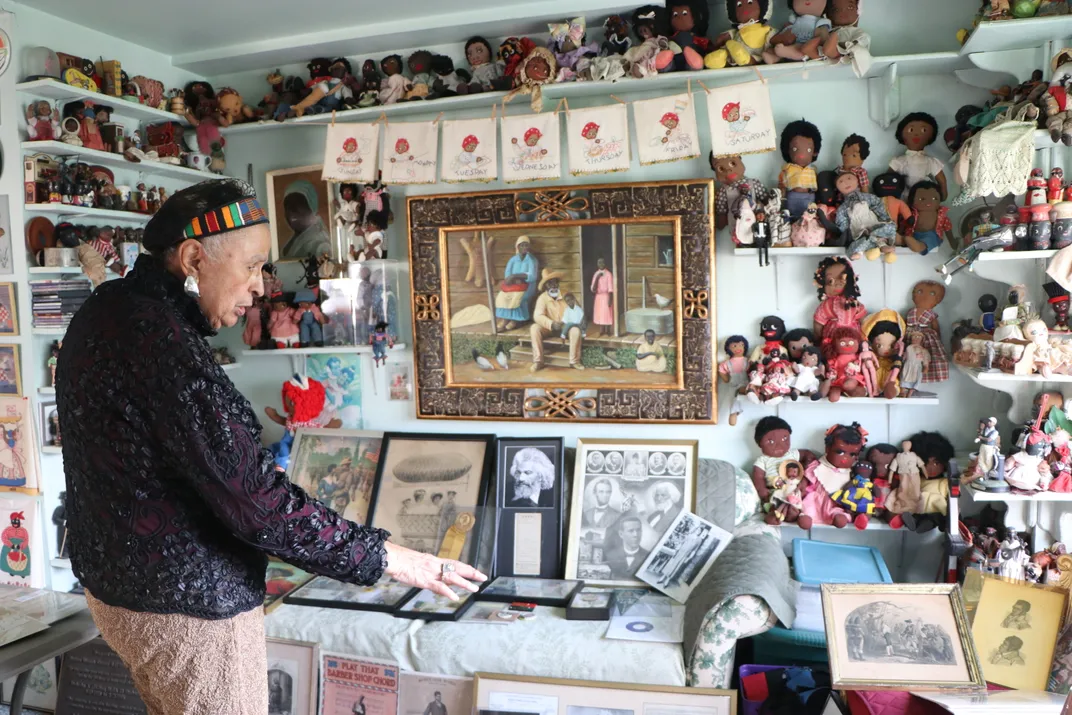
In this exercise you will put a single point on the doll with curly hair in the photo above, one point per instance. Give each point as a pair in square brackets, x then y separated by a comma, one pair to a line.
[839, 297]
[829, 474]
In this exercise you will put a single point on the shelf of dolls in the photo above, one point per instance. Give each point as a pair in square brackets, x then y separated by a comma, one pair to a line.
[1005, 35]
[80, 212]
[925, 401]
[811, 251]
[58, 91]
[331, 349]
[53, 270]
[106, 158]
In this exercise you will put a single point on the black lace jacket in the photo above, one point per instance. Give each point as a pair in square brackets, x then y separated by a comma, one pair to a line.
[172, 503]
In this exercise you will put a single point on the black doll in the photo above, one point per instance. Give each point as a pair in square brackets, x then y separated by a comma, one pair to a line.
[394, 84]
[801, 143]
[649, 21]
[827, 200]
[200, 101]
[772, 329]
[688, 29]
[1059, 301]
[890, 187]
[749, 35]
[796, 341]
[938, 484]
[916, 132]
[447, 79]
[485, 68]
[420, 67]
[615, 36]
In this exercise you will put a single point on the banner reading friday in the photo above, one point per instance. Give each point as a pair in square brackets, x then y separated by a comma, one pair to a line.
[666, 129]
[598, 139]
[741, 119]
[357, 685]
[410, 152]
[350, 153]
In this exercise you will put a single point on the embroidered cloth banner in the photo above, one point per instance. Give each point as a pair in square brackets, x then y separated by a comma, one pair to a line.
[470, 150]
[532, 147]
[410, 152]
[598, 139]
[741, 119]
[350, 152]
[666, 129]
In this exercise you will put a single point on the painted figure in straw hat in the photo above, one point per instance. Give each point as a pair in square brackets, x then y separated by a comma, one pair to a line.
[547, 321]
[513, 303]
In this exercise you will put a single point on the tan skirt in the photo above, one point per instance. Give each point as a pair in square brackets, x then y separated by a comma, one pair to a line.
[183, 665]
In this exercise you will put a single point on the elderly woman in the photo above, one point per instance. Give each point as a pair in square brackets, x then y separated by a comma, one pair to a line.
[513, 304]
[173, 504]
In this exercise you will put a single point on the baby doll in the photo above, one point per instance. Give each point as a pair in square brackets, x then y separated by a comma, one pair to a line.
[936, 453]
[906, 496]
[858, 498]
[827, 198]
[839, 304]
[916, 361]
[688, 30]
[420, 67]
[916, 132]
[310, 320]
[808, 231]
[926, 295]
[863, 217]
[394, 85]
[486, 70]
[749, 35]
[841, 349]
[831, 472]
[42, 121]
[930, 222]
[800, 145]
[773, 437]
[567, 42]
[889, 186]
[806, 32]
[787, 499]
[732, 183]
[884, 330]
[854, 152]
[796, 341]
[881, 456]
[808, 373]
[282, 322]
[734, 372]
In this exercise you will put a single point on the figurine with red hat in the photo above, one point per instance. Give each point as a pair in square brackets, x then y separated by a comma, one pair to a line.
[1058, 299]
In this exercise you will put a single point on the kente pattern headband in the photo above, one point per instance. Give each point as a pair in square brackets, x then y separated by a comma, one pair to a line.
[240, 214]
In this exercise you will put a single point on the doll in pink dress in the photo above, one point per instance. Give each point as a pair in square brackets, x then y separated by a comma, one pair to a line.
[282, 322]
[832, 471]
[603, 288]
[839, 297]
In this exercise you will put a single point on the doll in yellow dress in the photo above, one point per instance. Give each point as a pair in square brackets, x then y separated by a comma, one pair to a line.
[744, 44]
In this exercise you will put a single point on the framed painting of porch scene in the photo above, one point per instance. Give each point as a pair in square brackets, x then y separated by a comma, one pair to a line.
[588, 303]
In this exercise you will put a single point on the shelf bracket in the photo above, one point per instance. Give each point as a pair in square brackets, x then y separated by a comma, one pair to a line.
[1018, 63]
[884, 96]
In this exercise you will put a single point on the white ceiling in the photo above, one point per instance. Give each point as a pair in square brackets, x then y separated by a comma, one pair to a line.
[213, 37]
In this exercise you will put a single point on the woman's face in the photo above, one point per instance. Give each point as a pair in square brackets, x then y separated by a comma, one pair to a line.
[230, 283]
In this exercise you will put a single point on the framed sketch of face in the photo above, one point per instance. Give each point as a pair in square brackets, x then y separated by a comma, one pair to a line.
[292, 676]
[619, 516]
[529, 491]
[899, 637]
[338, 467]
[430, 491]
[322, 592]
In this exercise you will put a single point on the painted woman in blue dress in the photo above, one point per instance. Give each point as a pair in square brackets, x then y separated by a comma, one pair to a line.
[513, 304]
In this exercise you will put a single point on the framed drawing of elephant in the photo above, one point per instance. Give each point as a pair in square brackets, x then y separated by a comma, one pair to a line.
[592, 303]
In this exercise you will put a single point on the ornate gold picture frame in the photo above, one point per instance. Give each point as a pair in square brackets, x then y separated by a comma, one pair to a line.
[593, 303]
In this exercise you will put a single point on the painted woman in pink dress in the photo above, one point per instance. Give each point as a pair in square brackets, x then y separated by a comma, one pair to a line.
[603, 287]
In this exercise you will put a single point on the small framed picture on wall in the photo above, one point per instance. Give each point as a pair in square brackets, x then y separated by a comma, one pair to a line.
[10, 370]
[529, 488]
[300, 212]
[9, 315]
[49, 421]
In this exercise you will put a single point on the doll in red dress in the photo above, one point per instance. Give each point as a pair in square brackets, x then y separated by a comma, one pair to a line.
[844, 372]
[839, 304]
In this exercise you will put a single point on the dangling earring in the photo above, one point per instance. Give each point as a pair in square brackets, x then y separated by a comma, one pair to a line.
[191, 287]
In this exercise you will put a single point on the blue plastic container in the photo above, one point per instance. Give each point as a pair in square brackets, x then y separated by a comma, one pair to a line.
[818, 562]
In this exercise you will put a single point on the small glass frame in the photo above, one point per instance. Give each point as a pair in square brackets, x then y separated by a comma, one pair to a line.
[541, 591]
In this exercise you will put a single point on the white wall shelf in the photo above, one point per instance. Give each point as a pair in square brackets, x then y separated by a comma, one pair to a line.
[49, 449]
[106, 158]
[816, 252]
[1005, 256]
[50, 332]
[347, 349]
[1005, 35]
[58, 563]
[81, 212]
[857, 401]
[990, 497]
[54, 270]
[56, 90]
[994, 377]
[46, 390]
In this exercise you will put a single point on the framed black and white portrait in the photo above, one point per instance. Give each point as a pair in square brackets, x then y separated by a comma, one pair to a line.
[292, 676]
[529, 490]
[683, 555]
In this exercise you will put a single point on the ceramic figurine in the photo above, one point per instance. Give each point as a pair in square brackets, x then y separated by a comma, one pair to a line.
[734, 371]
[1041, 355]
[858, 497]
[930, 222]
[420, 67]
[1054, 104]
[926, 296]
[880, 456]
[70, 129]
[53, 360]
[380, 340]
[749, 35]
[988, 304]
[1061, 233]
[801, 39]
[732, 182]
[1059, 304]
[916, 361]
[688, 30]
[854, 152]
[916, 132]
[864, 219]
[1040, 230]
[773, 436]
[42, 122]
[485, 69]
[303, 407]
[1055, 187]
[1012, 557]
[844, 375]
[839, 304]
[800, 145]
[989, 464]
[832, 472]
[884, 331]
[616, 40]
[567, 41]
[1014, 314]
[1036, 188]
[394, 85]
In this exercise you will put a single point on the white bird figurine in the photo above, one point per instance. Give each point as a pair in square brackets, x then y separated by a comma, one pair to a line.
[482, 362]
[501, 357]
[661, 301]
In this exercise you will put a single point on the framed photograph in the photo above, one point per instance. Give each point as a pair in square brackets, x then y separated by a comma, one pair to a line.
[20, 466]
[399, 381]
[899, 637]
[530, 488]
[542, 592]
[354, 686]
[9, 314]
[338, 467]
[48, 423]
[301, 214]
[626, 494]
[590, 604]
[430, 491]
[323, 592]
[683, 556]
[280, 579]
[292, 676]
[428, 694]
[430, 606]
[1015, 628]
[558, 696]
[41, 689]
[10, 372]
[589, 303]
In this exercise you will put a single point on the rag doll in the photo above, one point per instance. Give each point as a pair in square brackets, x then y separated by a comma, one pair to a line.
[863, 217]
[734, 372]
[831, 472]
[916, 361]
[772, 330]
[776, 385]
[688, 30]
[773, 436]
[916, 132]
[732, 183]
[801, 39]
[567, 43]
[282, 322]
[858, 497]
[1054, 103]
[90, 117]
[841, 349]
[884, 331]
[905, 497]
[650, 22]
[512, 52]
[800, 146]
[326, 91]
[616, 40]
[749, 35]
[310, 320]
[778, 225]
[809, 371]
[839, 297]
[926, 295]
[889, 186]
[854, 152]
[420, 68]
[303, 407]
[796, 341]
[42, 122]
[827, 199]
[881, 456]
[483, 66]
[808, 231]
[538, 68]
[845, 38]
[929, 223]
[936, 453]
[787, 499]
[447, 78]
[232, 110]
[394, 85]
[373, 245]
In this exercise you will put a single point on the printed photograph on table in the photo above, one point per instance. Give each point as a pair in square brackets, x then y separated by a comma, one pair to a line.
[532, 147]
[566, 303]
[300, 212]
[292, 676]
[10, 372]
[899, 636]
[598, 140]
[626, 494]
[429, 694]
[21, 562]
[410, 153]
[559, 696]
[20, 467]
[470, 150]
[684, 554]
[41, 688]
[430, 606]
[48, 424]
[530, 490]
[322, 592]
[338, 467]
[541, 591]
[430, 491]
[1015, 629]
[666, 129]
[280, 579]
[9, 314]
[341, 376]
[399, 381]
[357, 686]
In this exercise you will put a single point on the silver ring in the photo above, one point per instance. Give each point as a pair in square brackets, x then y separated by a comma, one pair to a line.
[446, 568]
